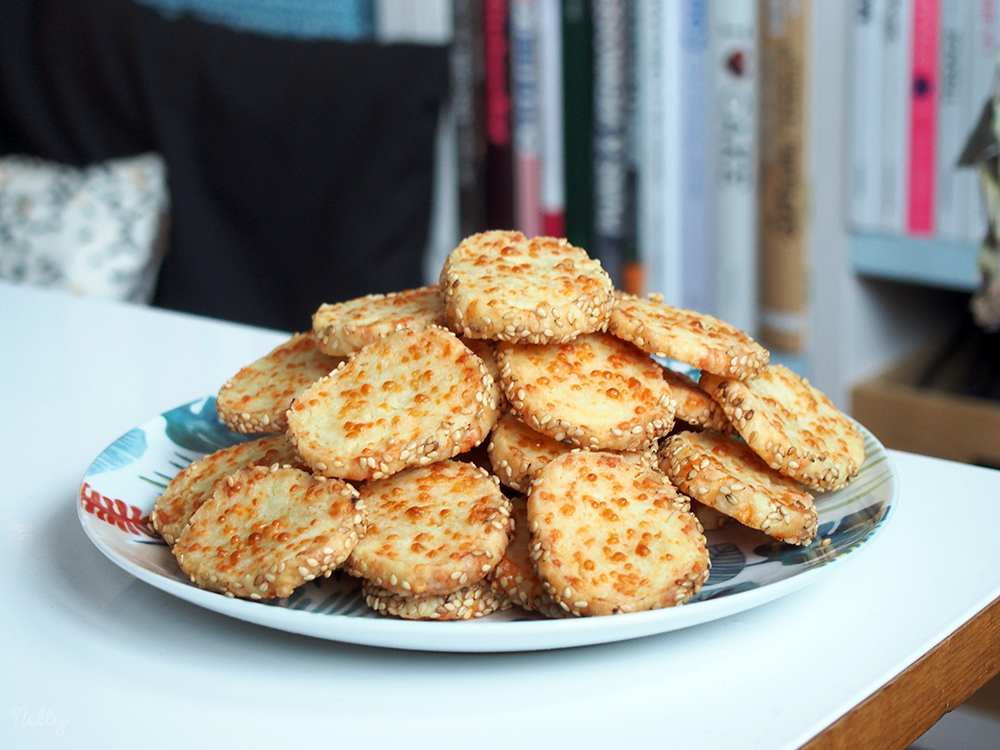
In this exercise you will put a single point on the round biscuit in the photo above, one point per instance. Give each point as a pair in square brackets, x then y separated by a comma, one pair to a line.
[502, 285]
[345, 327]
[724, 473]
[596, 392]
[255, 400]
[469, 602]
[791, 425]
[411, 398]
[268, 530]
[693, 405]
[197, 482]
[609, 536]
[700, 340]
[514, 576]
[432, 529]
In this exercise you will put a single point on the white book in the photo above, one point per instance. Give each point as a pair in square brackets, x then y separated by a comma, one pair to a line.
[696, 155]
[985, 20]
[953, 183]
[658, 147]
[553, 197]
[526, 119]
[734, 89]
[895, 152]
[406, 21]
[865, 114]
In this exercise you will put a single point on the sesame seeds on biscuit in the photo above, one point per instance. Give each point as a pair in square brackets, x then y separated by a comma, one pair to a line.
[697, 339]
[411, 398]
[467, 603]
[596, 392]
[255, 400]
[502, 285]
[791, 425]
[268, 530]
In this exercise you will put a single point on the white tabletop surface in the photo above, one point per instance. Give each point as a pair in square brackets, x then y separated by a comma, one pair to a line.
[90, 656]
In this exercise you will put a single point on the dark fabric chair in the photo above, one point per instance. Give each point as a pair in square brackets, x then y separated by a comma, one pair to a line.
[300, 171]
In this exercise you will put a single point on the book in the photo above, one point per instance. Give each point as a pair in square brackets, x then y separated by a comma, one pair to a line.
[612, 70]
[985, 18]
[526, 116]
[865, 105]
[578, 113]
[553, 190]
[923, 116]
[468, 105]
[895, 148]
[499, 172]
[783, 217]
[734, 162]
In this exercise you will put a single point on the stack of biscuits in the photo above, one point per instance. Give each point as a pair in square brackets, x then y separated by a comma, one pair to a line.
[512, 436]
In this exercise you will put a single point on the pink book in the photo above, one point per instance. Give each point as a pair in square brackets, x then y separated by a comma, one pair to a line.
[923, 116]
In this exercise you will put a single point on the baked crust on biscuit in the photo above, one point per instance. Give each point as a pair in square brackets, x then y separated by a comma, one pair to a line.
[469, 602]
[609, 536]
[514, 576]
[596, 392]
[410, 398]
[700, 340]
[345, 327]
[255, 400]
[724, 473]
[791, 425]
[196, 483]
[502, 285]
[268, 530]
[432, 529]
[693, 405]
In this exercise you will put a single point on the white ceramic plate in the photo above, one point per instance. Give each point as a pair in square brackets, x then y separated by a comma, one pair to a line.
[748, 569]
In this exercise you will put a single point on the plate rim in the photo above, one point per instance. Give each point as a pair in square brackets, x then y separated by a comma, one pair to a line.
[482, 635]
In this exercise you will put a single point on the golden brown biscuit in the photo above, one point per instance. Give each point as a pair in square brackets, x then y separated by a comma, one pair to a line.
[791, 425]
[597, 392]
[432, 529]
[411, 398]
[469, 602]
[256, 398]
[725, 474]
[694, 338]
[343, 328]
[514, 576]
[608, 536]
[693, 405]
[267, 530]
[502, 285]
[198, 481]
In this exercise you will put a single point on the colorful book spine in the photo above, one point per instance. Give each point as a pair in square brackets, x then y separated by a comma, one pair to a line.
[923, 114]
[578, 110]
[895, 149]
[611, 71]
[468, 82]
[734, 89]
[525, 69]
[783, 224]
[553, 190]
[499, 146]
[865, 114]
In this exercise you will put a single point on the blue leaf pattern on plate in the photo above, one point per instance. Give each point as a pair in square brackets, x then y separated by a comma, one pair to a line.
[127, 449]
[201, 430]
[728, 561]
[853, 529]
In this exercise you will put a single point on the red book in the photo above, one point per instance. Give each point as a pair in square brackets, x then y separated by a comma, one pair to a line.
[923, 116]
[499, 147]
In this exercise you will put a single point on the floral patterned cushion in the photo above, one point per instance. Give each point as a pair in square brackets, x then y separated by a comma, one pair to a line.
[97, 231]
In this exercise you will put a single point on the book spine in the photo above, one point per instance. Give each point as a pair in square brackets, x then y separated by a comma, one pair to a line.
[696, 156]
[953, 184]
[923, 117]
[553, 191]
[578, 73]
[468, 89]
[610, 109]
[499, 146]
[734, 83]
[783, 219]
[865, 114]
[894, 163]
[983, 65]
[527, 126]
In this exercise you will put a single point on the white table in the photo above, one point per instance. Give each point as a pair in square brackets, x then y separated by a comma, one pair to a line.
[91, 656]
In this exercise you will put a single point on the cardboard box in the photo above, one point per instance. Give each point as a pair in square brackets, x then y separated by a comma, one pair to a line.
[929, 421]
